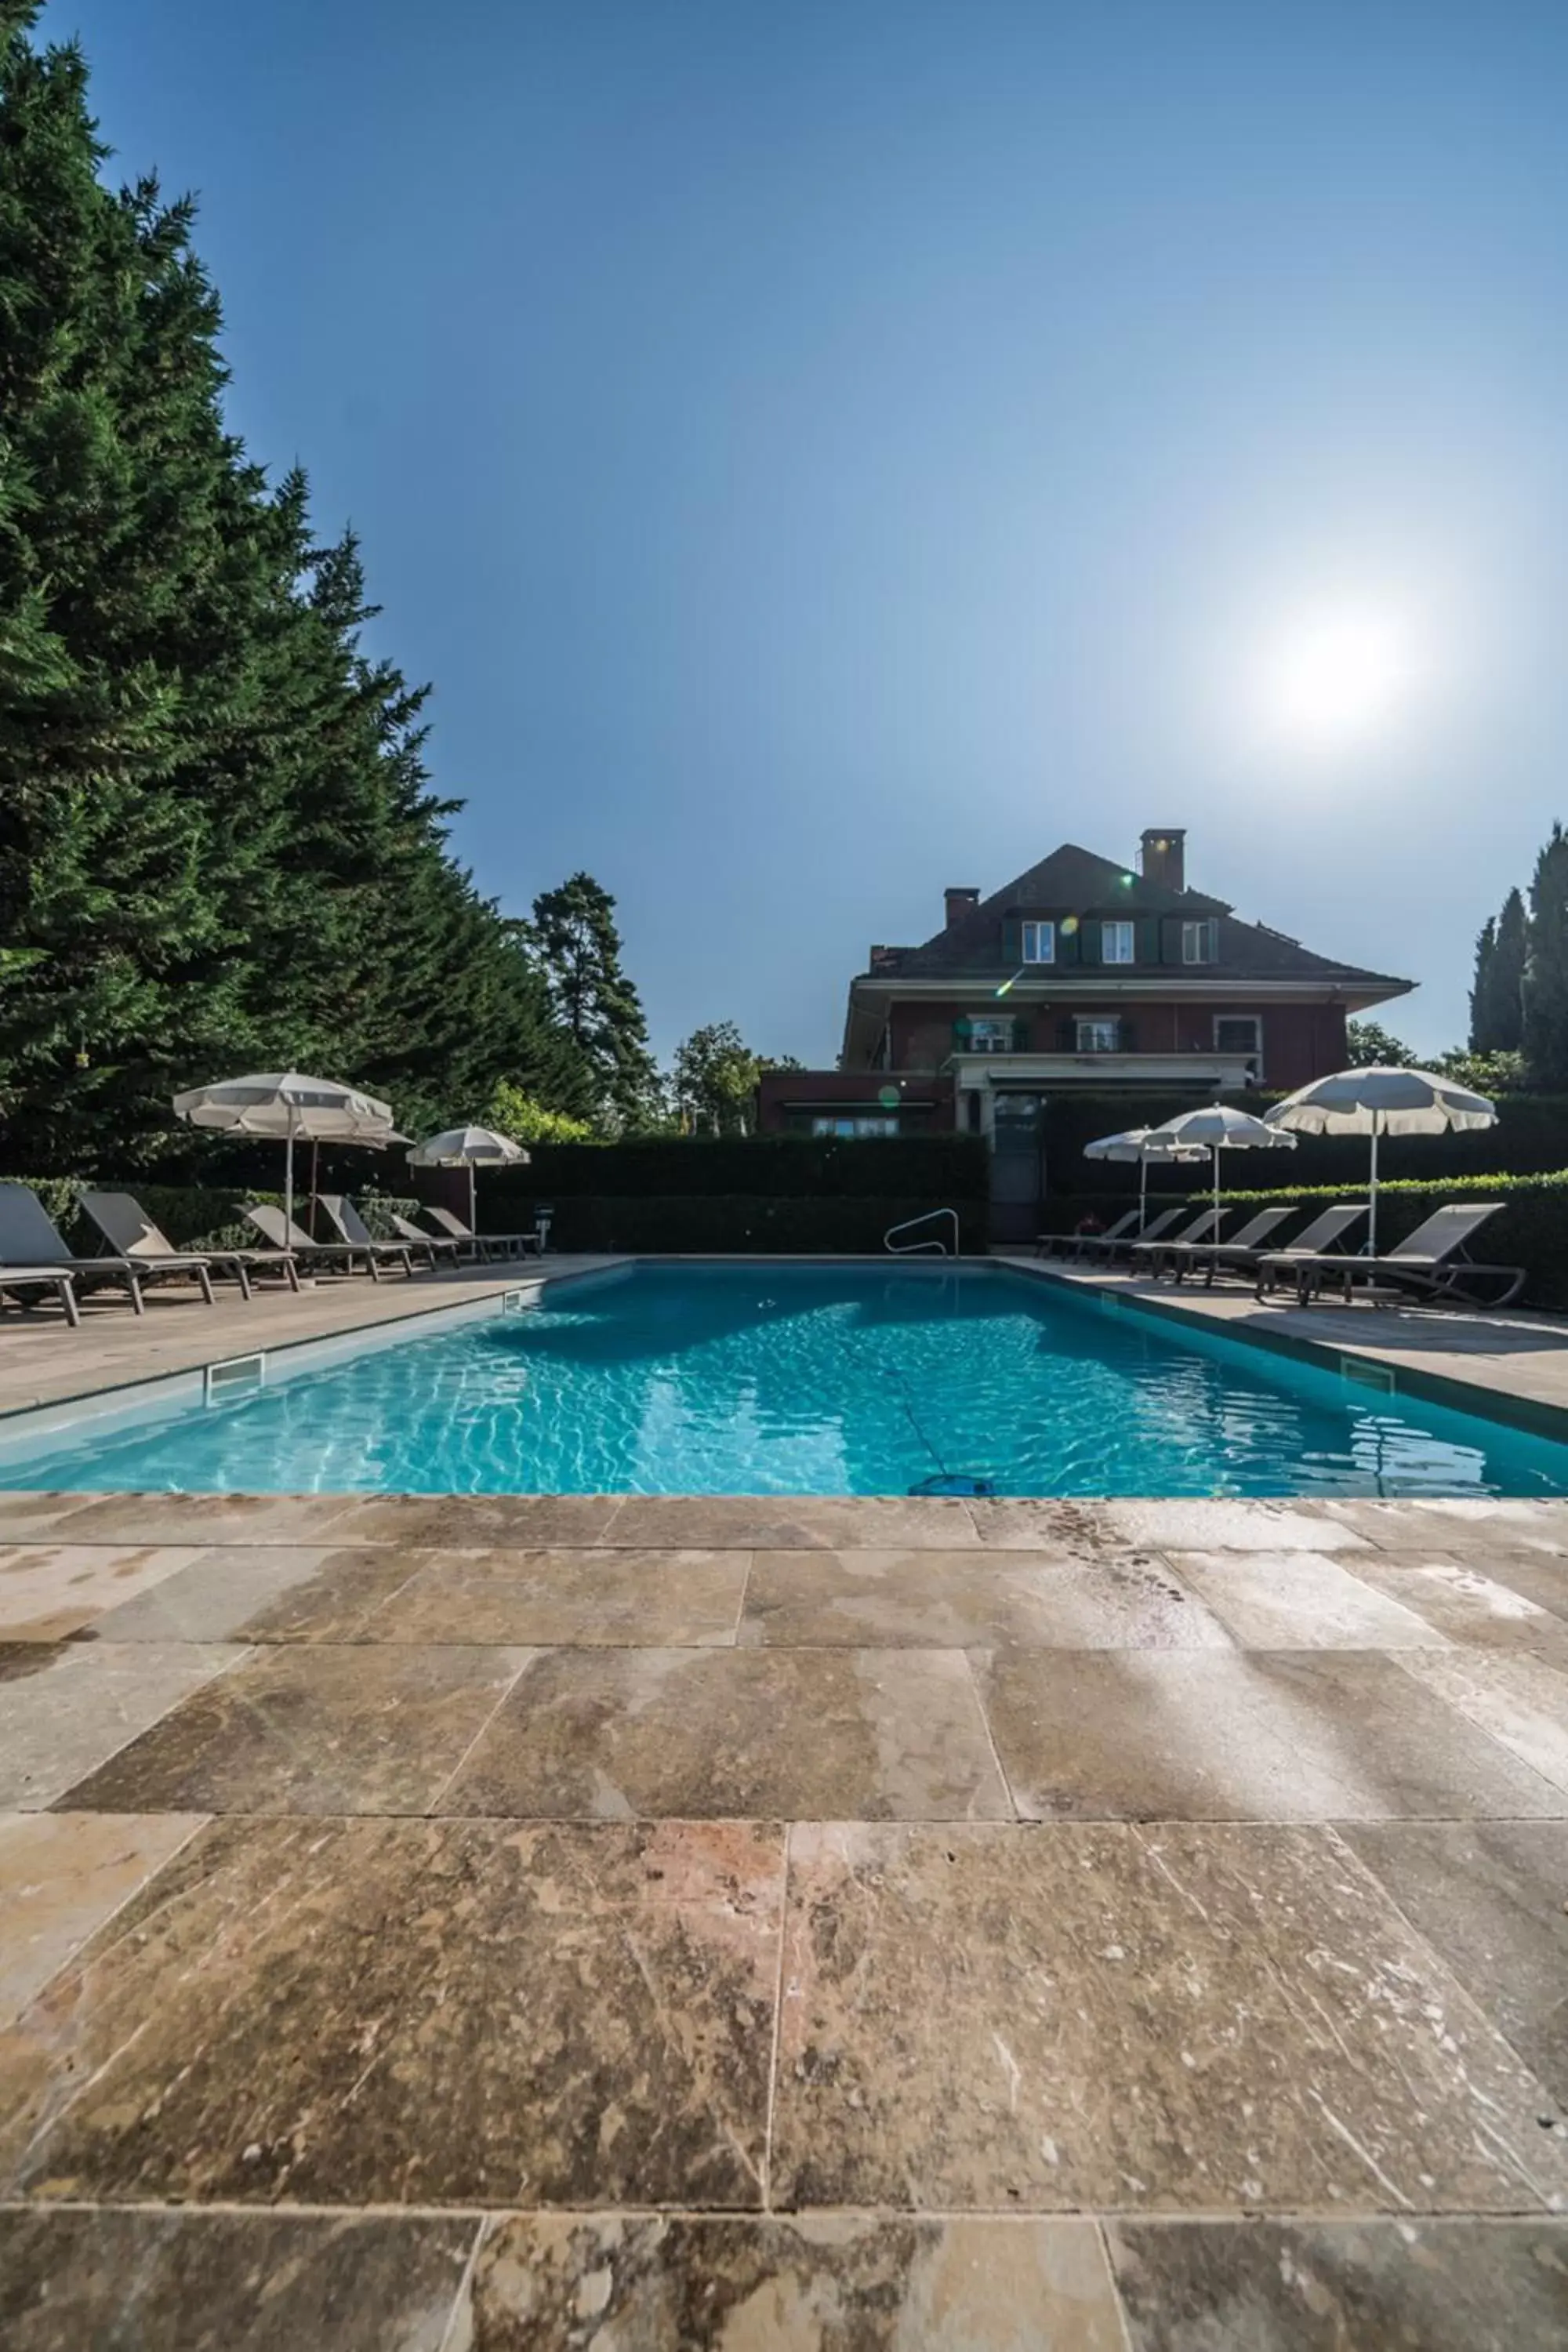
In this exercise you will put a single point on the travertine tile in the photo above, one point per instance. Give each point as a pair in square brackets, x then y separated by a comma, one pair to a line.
[193, 2281]
[819, 2282]
[1163, 1735]
[1182, 2018]
[313, 1730]
[61, 1876]
[1490, 1897]
[1342, 2286]
[1301, 1601]
[590, 1598]
[202, 1519]
[870, 1734]
[417, 2012]
[968, 1600]
[1226, 1525]
[1446, 1523]
[65, 1710]
[1489, 1608]
[794, 1522]
[267, 1592]
[47, 1591]
[1520, 1700]
[460, 1522]
[35, 1515]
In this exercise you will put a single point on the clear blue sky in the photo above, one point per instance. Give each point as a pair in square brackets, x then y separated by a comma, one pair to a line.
[824, 452]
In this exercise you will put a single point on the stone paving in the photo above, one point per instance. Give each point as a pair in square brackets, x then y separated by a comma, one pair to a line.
[466, 1924]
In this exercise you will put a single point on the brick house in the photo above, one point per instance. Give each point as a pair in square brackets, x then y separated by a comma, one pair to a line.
[1078, 974]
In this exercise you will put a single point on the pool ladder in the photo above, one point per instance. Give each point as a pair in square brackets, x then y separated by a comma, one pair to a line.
[931, 1246]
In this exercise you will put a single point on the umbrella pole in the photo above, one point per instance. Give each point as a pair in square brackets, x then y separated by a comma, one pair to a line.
[288, 1175]
[473, 1221]
[1216, 1186]
[1143, 1192]
[1371, 1207]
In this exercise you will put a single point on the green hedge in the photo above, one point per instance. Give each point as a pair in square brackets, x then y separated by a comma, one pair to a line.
[1531, 1230]
[735, 1221]
[933, 1169]
[1530, 1138]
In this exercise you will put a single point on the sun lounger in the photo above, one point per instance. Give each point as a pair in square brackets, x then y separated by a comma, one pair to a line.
[14, 1279]
[1069, 1244]
[1191, 1257]
[283, 1234]
[485, 1244]
[31, 1245]
[126, 1227]
[1429, 1264]
[341, 1212]
[1146, 1250]
[1240, 1256]
[436, 1246]
[1109, 1245]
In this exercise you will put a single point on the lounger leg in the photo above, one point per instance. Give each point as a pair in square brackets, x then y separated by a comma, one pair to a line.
[204, 1279]
[134, 1287]
[243, 1271]
[370, 1261]
[68, 1300]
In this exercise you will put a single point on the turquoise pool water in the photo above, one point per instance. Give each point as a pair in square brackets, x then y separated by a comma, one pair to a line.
[814, 1380]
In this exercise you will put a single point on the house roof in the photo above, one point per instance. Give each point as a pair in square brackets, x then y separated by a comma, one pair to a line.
[1074, 881]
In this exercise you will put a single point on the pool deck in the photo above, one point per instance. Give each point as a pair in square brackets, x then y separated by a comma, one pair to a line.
[666, 1924]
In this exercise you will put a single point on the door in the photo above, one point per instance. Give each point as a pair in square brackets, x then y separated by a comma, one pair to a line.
[1016, 1167]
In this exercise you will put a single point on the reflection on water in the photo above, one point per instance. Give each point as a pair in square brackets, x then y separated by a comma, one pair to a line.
[817, 1380]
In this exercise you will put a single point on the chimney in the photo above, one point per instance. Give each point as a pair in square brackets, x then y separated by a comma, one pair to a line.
[1165, 856]
[959, 903]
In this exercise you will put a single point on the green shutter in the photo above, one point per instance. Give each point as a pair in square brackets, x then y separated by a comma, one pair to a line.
[1146, 939]
[1020, 1035]
[961, 1033]
[1012, 943]
[1088, 939]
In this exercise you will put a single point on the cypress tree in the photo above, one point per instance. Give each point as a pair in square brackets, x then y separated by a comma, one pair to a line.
[1481, 987]
[1545, 993]
[1507, 1021]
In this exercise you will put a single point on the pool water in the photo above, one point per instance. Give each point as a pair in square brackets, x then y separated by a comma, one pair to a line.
[810, 1381]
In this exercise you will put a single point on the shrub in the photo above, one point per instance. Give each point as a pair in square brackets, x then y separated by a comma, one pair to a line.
[934, 1170]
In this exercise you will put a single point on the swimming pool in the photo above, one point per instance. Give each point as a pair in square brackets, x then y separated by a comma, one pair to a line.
[818, 1380]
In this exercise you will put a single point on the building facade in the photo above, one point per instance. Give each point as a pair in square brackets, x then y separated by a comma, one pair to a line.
[1078, 974]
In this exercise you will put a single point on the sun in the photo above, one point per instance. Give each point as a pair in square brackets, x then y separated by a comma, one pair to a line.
[1339, 677]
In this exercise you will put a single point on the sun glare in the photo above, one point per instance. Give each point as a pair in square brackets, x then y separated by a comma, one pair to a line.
[1336, 678]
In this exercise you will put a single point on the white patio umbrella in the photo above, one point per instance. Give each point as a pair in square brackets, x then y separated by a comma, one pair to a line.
[470, 1148]
[292, 1107]
[1148, 1147]
[1218, 1128]
[1378, 1102]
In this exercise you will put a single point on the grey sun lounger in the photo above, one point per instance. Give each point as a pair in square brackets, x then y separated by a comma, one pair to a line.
[1070, 1244]
[127, 1228]
[1192, 1257]
[1106, 1245]
[434, 1245]
[485, 1244]
[279, 1230]
[351, 1226]
[1241, 1256]
[14, 1279]
[1429, 1264]
[31, 1243]
[1147, 1249]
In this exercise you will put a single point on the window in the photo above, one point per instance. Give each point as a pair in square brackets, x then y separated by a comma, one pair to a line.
[854, 1127]
[1200, 943]
[1116, 942]
[991, 1036]
[1240, 1033]
[1039, 943]
[1100, 1036]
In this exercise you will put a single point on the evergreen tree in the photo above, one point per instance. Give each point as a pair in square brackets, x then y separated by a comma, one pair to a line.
[1545, 993]
[578, 950]
[1496, 1015]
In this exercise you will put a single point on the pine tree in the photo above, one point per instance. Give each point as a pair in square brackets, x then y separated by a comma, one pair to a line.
[1545, 994]
[578, 950]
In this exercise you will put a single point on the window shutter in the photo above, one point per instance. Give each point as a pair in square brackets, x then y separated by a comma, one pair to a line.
[1088, 941]
[1067, 1037]
[1213, 941]
[1020, 1035]
[961, 1033]
[1126, 1038]
[1146, 939]
[1012, 943]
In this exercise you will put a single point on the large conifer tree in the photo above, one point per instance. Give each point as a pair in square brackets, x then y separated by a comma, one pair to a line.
[1497, 1009]
[1546, 968]
[578, 948]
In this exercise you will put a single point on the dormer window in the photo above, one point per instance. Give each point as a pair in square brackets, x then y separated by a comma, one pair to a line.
[1200, 943]
[1116, 943]
[1039, 942]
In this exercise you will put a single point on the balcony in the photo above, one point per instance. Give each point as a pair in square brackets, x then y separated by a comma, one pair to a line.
[1202, 1072]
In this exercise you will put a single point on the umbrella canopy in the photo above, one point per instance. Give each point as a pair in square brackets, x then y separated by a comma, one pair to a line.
[1218, 1128]
[1377, 1101]
[288, 1106]
[470, 1148]
[1145, 1145]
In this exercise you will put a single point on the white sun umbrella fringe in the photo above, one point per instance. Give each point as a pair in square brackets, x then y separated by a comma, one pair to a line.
[470, 1148]
[1218, 1128]
[1377, 1101]
[1148, 1148]
[290, 1108]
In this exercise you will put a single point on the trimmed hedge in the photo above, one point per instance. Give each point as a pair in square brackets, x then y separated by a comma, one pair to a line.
[933, 1169]
[738, 1221]
[1531, 1230]
[1530, 1139]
